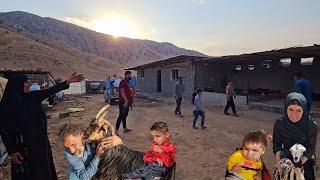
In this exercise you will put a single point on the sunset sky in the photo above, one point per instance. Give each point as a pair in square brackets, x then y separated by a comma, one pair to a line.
[213, 27]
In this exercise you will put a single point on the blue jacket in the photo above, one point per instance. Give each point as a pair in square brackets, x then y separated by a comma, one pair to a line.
[303, 86]
[197, 103]
[85, 166]
[133, 82]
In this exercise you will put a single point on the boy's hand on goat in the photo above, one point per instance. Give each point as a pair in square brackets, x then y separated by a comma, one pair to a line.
[113, 141]
[157, 149]
[160, 162]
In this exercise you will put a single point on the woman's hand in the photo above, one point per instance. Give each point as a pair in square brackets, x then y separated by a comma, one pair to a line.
[304, 159]
[278, 156]
[16, 158]
[75, 78]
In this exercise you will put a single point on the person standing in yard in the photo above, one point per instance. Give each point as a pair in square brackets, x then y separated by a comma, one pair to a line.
[125, 99]
[132, 85]
[303, 86]
[230, 94]
[179, 90]
[198, 109]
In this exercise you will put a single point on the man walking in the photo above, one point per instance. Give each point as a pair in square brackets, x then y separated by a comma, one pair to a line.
[303, 86]
[125, 99]
[230, 95]
[179, 90]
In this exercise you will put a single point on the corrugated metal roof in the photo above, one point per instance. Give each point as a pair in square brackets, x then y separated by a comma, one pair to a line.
[163, 62]
[291, 52]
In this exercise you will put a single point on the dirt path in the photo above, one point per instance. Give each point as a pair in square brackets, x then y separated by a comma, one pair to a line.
[201, 154]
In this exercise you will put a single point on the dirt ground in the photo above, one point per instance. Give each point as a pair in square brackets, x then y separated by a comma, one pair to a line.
[201, 154]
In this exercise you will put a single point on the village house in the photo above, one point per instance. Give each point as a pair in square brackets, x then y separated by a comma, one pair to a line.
[256, 76]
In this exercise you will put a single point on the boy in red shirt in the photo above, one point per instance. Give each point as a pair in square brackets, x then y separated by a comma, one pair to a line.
[160, 157]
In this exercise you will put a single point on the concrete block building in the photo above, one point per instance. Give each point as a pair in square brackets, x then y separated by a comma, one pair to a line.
[261, 72]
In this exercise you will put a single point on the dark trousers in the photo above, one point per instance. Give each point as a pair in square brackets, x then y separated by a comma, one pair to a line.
[230, 102]
[123, 113]
[147, 172]
[309, 170]
[178, 101]
[196, 115]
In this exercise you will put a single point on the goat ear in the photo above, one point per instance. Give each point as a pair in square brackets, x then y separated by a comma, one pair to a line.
[294, 147]
[103, 112]
[111, 127]
[291, 149]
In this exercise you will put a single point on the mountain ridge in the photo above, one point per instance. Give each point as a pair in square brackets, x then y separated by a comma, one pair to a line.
[126, 51]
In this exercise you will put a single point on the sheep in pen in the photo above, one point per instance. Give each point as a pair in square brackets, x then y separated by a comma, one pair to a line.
[117, 160]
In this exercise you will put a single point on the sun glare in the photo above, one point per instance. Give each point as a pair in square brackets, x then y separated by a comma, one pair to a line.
[114, 26]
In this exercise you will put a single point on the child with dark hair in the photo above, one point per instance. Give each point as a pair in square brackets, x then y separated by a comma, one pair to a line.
[160, 158]
[247, 163]
[198, 109]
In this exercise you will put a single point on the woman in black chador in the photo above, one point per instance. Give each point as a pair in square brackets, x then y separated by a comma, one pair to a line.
[296, 126]
[24, 128]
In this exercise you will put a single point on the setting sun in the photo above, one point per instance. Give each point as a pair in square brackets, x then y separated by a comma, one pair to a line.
[115, 26]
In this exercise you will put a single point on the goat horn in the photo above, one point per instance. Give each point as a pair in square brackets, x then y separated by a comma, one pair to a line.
[103, 111]
[3, 83]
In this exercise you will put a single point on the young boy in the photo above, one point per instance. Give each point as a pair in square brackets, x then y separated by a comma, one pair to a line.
[246, 163]
[198, 109]
[159, 158]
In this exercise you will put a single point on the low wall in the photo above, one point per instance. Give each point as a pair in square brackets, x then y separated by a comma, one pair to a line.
[210, 98]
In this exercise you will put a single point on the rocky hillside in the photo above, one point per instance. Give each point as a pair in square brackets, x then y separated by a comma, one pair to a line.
[126, 51]
[19, 52]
